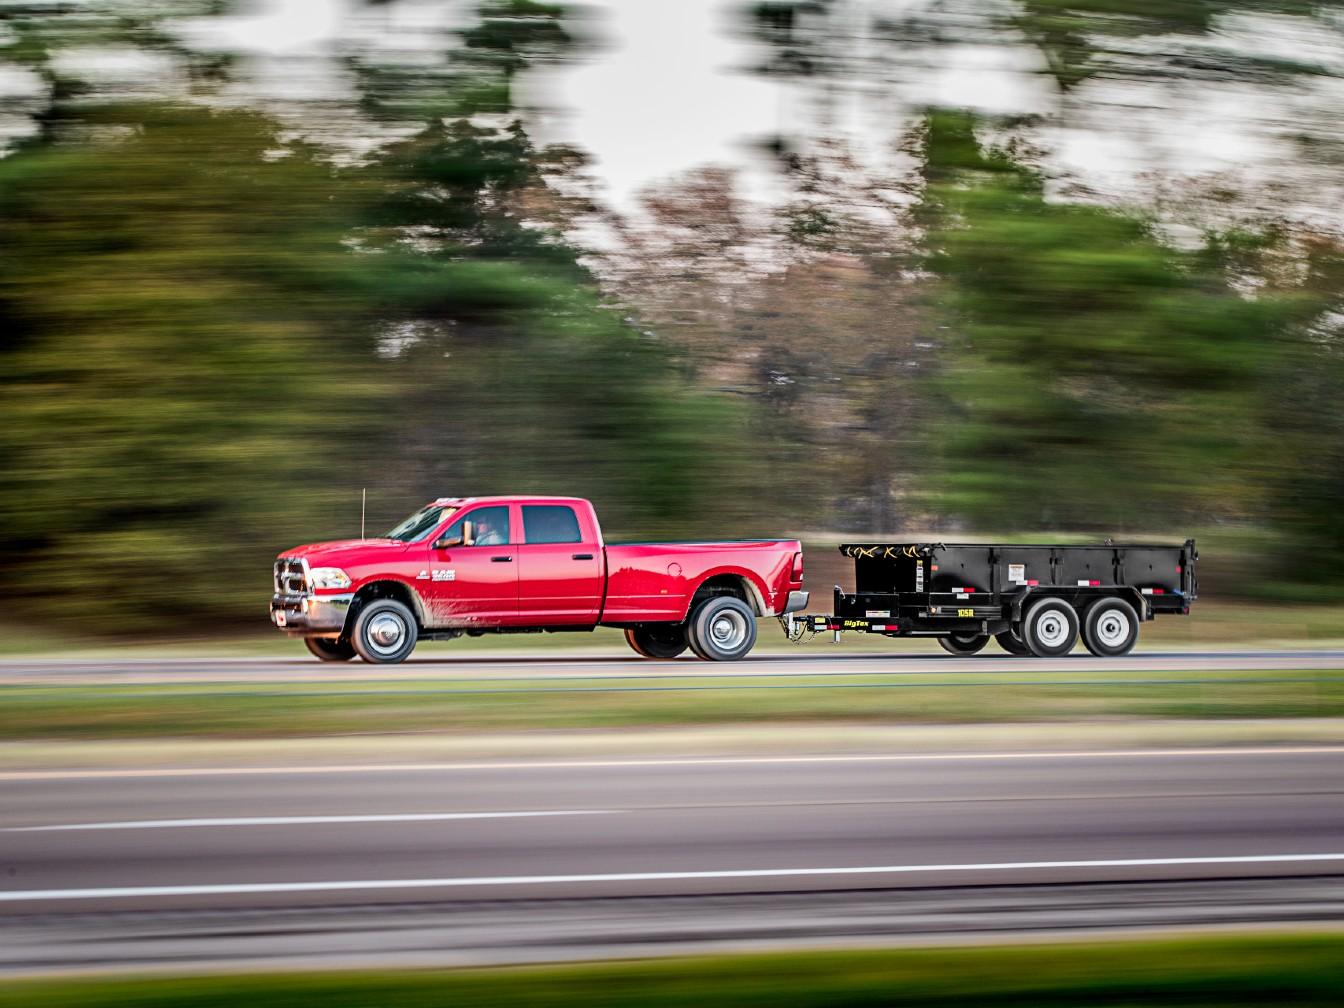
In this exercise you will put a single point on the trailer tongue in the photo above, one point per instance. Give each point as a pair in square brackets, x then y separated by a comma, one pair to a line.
[1034, 599]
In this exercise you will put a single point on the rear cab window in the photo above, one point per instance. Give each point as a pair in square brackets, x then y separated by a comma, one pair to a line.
[550, 523]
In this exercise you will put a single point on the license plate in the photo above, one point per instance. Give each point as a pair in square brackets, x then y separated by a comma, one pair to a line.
[279, 617]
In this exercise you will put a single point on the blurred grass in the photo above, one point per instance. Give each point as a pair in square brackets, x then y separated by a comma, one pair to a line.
[314, 709]
[1217, 972]
[1211, 624]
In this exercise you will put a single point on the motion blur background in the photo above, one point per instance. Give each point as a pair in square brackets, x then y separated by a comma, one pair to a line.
[1032, 268]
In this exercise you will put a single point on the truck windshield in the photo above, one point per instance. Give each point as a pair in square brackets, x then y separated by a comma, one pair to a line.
[420, 524]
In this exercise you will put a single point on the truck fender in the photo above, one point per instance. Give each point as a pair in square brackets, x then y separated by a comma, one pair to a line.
[388, 587]
[736, 578]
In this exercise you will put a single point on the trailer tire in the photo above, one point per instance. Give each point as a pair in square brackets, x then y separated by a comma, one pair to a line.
[722, 628]
[1110, 628]
[329, 649]
[1012, 643]
[385, 632]
[1050, 628]
[657, 640]
[964, 645]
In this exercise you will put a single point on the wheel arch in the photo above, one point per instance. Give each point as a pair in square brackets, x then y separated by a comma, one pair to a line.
[734, 582]
[386, 588]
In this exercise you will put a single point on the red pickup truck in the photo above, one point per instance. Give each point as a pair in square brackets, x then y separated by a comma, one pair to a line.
[525, 564]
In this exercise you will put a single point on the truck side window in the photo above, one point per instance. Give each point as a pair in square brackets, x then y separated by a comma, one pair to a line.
[550, 523]
[491, 525]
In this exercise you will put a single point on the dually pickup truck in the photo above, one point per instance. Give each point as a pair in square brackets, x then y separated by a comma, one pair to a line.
[474, 565]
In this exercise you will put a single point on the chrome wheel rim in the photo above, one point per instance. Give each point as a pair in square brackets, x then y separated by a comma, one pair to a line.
[386, 632]
[1113, 628]
[1052, 629]
[728, 630]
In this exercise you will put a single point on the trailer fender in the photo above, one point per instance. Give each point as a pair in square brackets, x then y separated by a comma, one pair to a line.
[1080, 598]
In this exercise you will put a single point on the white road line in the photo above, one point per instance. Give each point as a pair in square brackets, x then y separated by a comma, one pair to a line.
[15, 896]
[141, 824]
[678, 761]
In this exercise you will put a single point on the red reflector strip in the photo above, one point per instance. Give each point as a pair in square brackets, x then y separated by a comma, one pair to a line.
[1159, 591]
[969, 591]
[1033, 583]
[1094, 584]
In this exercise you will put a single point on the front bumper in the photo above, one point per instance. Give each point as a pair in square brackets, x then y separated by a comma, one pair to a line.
[310, 614]
[797, 602]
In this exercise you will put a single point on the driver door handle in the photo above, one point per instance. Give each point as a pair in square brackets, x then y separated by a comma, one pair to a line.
[503, 559]
[582, 556]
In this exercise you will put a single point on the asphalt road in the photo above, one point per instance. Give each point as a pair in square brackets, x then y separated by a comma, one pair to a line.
[817, 659]
[534, 859]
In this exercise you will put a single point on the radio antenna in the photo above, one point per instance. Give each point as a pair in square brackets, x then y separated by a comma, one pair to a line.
[363, 503]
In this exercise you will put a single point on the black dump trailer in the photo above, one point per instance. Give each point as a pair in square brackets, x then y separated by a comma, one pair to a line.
[1032, 599]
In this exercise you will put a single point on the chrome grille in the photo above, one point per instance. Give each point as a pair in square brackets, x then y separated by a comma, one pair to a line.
[290, 576]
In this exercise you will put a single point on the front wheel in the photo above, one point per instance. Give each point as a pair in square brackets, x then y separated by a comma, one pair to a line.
[722, 629]
[661, 640]
[1050, 628]
[327, 649]
[384, 632]
[963, 644]
[1110, 628]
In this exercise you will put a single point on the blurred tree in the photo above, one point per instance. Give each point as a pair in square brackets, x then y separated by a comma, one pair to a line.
[516, 375]
[180, 365]
[1097, 376]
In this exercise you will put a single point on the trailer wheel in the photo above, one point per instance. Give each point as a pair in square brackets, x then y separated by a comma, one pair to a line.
[1050, 628]
[384, 632]
[723, 628]
[661, 640]
[1110, 628]
[1012, 643]
[327, 649]
[963, 644]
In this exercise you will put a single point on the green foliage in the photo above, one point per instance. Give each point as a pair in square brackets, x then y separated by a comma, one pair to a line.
[179, 364]
[1094, 374]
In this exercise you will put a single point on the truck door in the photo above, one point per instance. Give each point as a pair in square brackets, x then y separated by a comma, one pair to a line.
[476, 583]
[560, 574]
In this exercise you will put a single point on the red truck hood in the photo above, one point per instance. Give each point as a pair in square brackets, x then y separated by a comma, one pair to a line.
[341, 548]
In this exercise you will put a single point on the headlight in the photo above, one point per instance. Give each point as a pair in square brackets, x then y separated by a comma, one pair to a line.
[328, 577]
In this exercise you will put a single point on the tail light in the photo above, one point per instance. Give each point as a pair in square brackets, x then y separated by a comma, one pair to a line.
[797, 573]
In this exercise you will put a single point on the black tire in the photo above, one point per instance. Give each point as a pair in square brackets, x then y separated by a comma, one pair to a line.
[722, 628]
[658, 640]
[964, 644]
[1050, 628]
[327, 649]
[1110, 628]
[384, 632]
[1012, 643]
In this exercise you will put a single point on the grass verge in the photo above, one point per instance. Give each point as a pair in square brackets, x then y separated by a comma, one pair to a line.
[318, 709]
[1218, 972]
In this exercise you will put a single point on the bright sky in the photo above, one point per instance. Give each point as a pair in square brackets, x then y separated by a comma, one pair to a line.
[669, 90]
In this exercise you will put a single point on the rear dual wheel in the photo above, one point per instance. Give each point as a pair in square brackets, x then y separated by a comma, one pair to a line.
[657, 640]
[722, 628]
